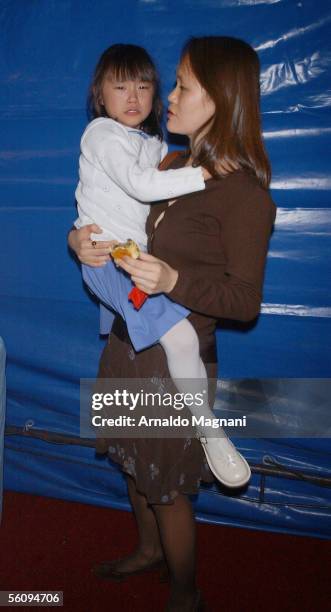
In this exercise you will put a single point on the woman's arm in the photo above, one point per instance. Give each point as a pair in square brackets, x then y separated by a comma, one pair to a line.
[149, 273]
[94, 254]
[238, 294]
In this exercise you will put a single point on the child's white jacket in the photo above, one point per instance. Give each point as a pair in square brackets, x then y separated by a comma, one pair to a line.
[118, 177]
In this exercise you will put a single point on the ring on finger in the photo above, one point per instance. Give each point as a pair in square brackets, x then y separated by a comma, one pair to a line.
[94, 243]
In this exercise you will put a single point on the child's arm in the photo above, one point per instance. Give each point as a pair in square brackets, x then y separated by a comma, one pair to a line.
[119, 161]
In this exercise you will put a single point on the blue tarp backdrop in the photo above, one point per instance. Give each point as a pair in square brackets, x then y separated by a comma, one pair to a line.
[49, 324]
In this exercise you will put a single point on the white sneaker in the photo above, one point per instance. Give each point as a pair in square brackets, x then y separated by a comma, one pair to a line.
[226, 463]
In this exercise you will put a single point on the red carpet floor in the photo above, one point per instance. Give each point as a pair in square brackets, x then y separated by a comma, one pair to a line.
[48, 544]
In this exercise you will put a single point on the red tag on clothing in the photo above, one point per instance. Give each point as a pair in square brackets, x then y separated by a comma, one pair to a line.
[137, 297]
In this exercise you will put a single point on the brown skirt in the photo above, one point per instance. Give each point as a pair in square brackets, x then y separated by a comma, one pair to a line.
[162, 467]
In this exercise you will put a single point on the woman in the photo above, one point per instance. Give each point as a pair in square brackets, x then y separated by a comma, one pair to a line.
[207, 252]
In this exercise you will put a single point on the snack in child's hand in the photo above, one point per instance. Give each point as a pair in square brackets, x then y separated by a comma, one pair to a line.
[131, 249]
[128, 248]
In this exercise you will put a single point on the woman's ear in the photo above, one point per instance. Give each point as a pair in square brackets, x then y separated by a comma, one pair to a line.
[209, 103]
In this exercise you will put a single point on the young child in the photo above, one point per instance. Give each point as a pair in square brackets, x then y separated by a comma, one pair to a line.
[120, 152]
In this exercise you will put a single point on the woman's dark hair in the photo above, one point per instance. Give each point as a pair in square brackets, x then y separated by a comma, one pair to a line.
[228, 69]
[125, 63]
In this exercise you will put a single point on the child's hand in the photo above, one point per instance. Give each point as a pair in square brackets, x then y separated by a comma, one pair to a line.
[91, 253]
[149, 273]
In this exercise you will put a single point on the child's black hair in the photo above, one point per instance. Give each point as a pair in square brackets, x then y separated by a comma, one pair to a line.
[125, 63]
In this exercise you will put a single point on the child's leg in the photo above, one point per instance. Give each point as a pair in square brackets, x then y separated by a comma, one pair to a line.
[181, 346]
[188, 372]
[99, 281]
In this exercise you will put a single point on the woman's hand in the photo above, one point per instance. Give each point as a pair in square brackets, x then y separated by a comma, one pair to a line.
[94, 254]
[149, 273]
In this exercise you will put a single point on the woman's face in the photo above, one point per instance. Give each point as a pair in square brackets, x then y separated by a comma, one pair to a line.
[190, 106]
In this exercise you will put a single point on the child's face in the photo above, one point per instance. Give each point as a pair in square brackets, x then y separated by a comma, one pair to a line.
[190, 106]
[128, 102]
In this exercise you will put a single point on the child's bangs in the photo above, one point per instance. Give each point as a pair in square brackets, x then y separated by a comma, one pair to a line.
[131, 71]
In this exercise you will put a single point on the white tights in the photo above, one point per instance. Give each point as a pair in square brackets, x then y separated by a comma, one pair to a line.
[181, 346]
